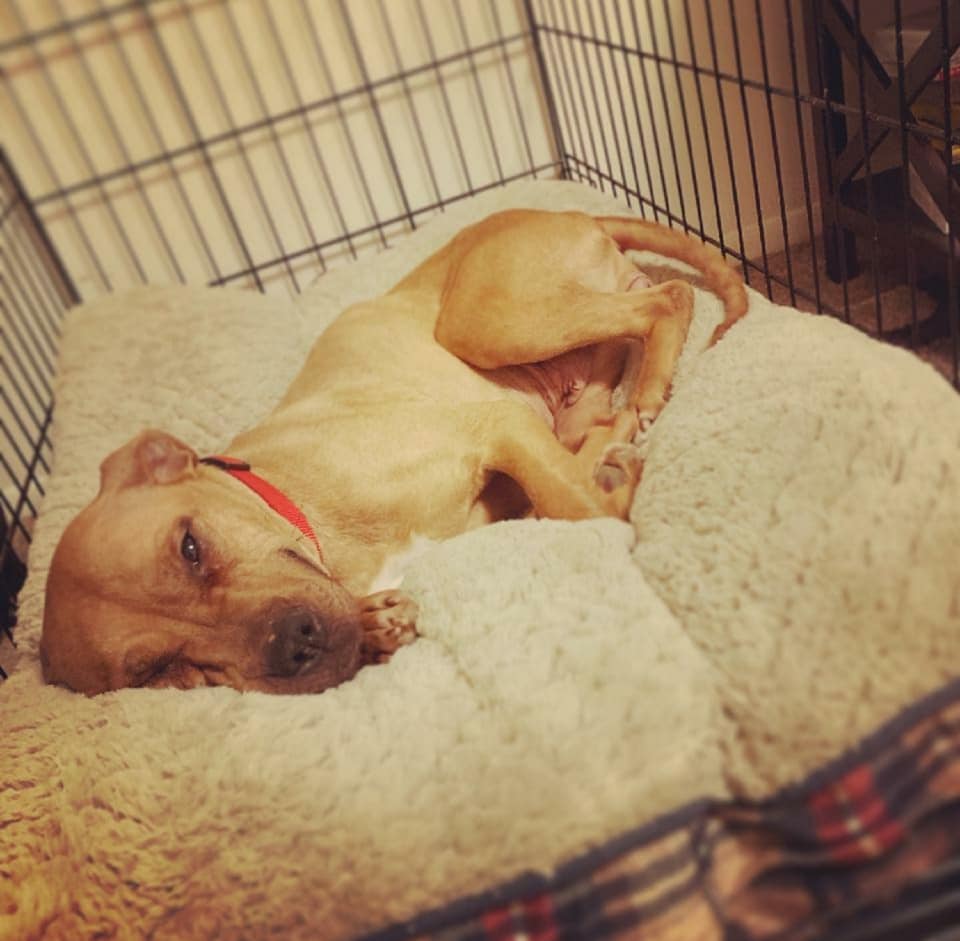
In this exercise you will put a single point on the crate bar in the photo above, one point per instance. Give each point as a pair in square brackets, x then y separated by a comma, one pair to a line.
[648, 97]
[950, 25]
[272, 131]
[688, 139]
[666, 111]
[408, 97]
[868, 171]
[511, 79]
[804, 168]
[343, 123]
[203, 148]
[838, 242]
[747, 124]
[120, 144]
[227, 113]
[154, 125]
[607, 98]
[623, 111]
[636, 113]
[905, 176]
[545, 85]
[698, 73]
[481, 98]
[375, 108]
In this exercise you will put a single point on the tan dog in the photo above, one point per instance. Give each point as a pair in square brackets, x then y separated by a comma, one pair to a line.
[479, 388]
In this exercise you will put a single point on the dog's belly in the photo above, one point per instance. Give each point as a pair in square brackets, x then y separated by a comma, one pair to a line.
[571, 392]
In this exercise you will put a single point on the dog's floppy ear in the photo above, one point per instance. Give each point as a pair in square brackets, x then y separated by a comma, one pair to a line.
[153, 457]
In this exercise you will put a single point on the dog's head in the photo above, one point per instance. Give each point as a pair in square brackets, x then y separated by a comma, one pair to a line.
[175, 575]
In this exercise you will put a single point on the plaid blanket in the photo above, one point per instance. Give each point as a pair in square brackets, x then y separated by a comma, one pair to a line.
[866, 848]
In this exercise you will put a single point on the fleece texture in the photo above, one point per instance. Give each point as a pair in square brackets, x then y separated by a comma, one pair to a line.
[787, 582]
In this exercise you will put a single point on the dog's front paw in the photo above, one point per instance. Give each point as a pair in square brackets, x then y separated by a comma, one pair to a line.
[389, 622]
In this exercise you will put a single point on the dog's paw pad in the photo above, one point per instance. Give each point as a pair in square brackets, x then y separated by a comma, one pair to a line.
[620, 465]
[608, 477]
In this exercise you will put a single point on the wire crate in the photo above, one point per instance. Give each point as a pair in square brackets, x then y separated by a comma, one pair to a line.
[257, 144]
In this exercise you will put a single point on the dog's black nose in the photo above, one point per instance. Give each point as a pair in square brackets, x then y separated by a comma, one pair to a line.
[297, 640]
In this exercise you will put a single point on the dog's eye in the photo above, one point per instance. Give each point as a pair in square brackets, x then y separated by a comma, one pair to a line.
[190, 549]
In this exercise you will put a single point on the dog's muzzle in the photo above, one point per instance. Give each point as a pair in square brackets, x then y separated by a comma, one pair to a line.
[297, 642]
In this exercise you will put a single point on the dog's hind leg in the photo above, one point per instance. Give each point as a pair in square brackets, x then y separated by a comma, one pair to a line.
[510, 332]
[558, 483]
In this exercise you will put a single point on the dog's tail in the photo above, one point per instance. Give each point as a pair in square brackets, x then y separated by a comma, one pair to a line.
[724, 281]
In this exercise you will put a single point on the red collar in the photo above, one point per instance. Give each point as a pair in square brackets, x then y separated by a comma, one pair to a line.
[274, 498]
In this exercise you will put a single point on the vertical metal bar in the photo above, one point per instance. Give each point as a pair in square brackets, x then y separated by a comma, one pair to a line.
[481, 97]
[40, 149]
[868, 170]
[236, 135]
[355, 161]
[667, 110]
[191, 119]
[606, 100]
[546, 48]
[801, 141]
[448, 108]
[375, 107]
[726, 138]
[408, 97]
[751, 146]
[154, 125]
[119, 142]
[284, 61]
[688, 139]
[835, 237]
[905, 173]
[952, 311]
[775, 143]
[645, 156]
[511, 80]
[78, 141]
[650, 111]
[714, 189]
[623, 112]
[585, 106]
[274, 137]
[561, 45]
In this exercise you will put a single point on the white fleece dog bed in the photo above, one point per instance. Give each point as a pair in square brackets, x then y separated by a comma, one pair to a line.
[789, 582]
